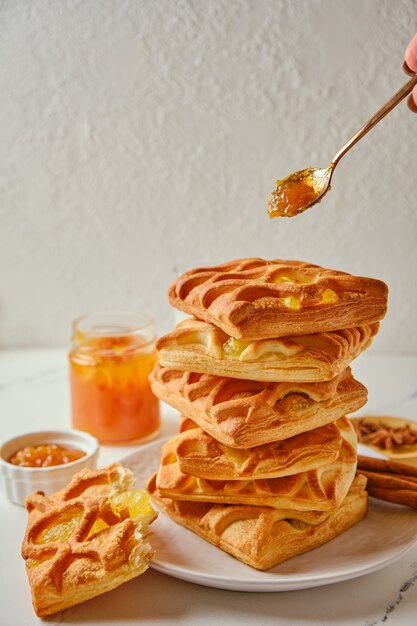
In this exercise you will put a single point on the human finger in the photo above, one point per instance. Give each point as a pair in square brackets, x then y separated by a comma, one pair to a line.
[410, 56]
[412, 101]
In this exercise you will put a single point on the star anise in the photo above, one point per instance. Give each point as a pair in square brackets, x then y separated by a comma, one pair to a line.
[383, 436]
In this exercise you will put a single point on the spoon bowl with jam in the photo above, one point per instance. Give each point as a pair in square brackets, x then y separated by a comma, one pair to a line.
[301, 190]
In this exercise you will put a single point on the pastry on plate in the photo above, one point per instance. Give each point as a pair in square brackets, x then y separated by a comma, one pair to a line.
[258, 299]
[198, 346]
[201, 455]
[262, 536]
[86, 539]
[245, 413]
[318, 490]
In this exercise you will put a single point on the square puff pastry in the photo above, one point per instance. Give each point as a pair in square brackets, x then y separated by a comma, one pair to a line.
[245, 413]
[201, 455]
[263, 537]
[258, 299]
[86, 539]
[198, 346]
[320, 489]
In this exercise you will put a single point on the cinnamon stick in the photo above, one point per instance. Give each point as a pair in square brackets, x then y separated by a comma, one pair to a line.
[380, 465]
[396, 496]
[390, 480]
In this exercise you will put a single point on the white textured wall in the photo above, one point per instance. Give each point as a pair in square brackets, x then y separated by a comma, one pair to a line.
[143, 137]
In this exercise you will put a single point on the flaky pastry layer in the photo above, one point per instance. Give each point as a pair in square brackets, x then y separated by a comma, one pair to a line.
[201, 455]
[78, 546]
[316, 490]
[198, 346]
[245, 414]
[263, 537]
[258, 299]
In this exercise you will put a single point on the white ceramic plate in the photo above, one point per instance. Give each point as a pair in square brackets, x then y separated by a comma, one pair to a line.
[384, 536]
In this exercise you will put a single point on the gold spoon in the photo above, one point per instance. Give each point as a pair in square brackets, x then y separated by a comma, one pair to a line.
[301, 190]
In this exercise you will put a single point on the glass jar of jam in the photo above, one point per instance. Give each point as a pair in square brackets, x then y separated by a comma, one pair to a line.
[110, 362]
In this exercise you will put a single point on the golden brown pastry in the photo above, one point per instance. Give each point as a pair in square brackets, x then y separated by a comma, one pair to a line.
[258, 299]
[198, 346]
[186, 424]
[261, 536]
[245, 413]
[201, 455]
[86, 539]
[316, 490]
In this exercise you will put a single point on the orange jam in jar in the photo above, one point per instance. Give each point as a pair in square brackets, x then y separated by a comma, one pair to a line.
[110, 363]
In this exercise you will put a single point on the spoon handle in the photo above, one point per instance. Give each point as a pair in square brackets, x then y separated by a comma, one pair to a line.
[396, 99]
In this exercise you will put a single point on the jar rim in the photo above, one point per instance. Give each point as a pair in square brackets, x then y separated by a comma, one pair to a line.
[113, 324]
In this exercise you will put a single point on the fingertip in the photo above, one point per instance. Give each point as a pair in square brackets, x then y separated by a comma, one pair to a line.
[410, 56]
[407, 70]
[412, 101]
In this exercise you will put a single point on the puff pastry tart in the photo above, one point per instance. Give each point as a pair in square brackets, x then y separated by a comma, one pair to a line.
[257, 299]
[262, 536]
[198, 346]
[316, 490]
[245, 413]
[201, 455]
[86, 539]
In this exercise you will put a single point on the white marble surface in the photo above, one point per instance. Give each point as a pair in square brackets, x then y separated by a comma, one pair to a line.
[34, 395]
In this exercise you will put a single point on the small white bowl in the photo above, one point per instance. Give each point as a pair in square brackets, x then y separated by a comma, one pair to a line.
[18, 482]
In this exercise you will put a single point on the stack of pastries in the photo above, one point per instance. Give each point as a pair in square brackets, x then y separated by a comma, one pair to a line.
[264, 463]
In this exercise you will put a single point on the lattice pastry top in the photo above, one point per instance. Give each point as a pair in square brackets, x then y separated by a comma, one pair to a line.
[316, 490]
[86, 539]
[262, 536]
[198, 346]
[245, 413]
[258, 299]
[201, 455]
